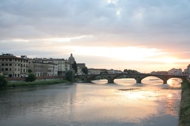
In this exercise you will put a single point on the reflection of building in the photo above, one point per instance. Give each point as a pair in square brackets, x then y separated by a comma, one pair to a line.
[174, 71]
[12, 66]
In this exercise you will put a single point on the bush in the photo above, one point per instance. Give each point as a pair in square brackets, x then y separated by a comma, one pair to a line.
[31, 77]
[3, 81]
[85, 70]
[69, 75]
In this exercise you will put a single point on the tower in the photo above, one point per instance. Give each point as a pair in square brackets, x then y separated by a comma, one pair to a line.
[71, 59]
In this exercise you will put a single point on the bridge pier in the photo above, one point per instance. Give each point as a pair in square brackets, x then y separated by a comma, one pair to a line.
[110, 81]
[138, 81]
[165, 81]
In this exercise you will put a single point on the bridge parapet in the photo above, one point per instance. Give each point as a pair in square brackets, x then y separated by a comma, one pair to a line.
[137, 77]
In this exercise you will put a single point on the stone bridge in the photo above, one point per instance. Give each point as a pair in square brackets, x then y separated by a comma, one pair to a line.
[137, 77]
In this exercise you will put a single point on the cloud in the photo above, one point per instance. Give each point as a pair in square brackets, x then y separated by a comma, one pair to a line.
[48, 28]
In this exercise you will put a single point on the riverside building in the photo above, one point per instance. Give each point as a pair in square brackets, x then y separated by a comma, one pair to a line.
[12, 66]
[48, 66]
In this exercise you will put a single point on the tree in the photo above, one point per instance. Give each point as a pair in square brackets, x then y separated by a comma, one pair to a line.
[69, 75]
[3, 81]
[104, 72]
[85, 70]
[130, 71]
[31, 77]
[74, 66]
[29, 71]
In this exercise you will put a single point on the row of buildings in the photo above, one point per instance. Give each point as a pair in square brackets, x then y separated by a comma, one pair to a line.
[12, 66]
[173, 71]
[103, 71]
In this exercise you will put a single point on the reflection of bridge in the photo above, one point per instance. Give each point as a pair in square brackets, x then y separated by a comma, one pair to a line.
[137, 77]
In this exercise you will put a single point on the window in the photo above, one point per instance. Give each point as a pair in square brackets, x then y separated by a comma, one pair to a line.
[6, 64]
[10, 64]
[15, 69]
[6, 69]
[2, 69]
[9, 69]
[2, 64]
[2, 59]
[10, 59]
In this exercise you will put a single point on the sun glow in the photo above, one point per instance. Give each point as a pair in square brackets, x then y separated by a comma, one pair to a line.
[118, 53]
[170, 60]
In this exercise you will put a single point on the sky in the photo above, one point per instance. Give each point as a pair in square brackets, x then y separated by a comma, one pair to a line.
[143, 35]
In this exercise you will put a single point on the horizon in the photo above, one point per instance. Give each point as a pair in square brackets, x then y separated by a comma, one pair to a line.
[114, 34]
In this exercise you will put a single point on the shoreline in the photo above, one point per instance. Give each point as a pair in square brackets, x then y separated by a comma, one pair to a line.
[35, 83]
[184, 114]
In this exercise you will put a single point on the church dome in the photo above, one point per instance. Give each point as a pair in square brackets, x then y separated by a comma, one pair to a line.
[71, 59]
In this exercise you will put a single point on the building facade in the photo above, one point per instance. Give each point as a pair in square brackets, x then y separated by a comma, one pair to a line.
[12, 66]
[187, 70]
[96, 71]
[112, 71]
[48, 66]
[174, 71]
[43, 67]
[80, 66]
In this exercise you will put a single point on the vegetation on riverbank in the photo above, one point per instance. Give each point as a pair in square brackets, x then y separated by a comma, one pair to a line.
[184, 115]
[20, 84]
[3, 82]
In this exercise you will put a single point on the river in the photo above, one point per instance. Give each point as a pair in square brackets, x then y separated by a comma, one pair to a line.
[93, 104]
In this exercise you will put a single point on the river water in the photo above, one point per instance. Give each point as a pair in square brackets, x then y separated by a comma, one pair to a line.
[93, 104]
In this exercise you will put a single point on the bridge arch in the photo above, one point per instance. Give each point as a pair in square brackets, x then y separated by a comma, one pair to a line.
[149, 78]
[126, 76]
[137, 77]
[175, 82]
[101, 76]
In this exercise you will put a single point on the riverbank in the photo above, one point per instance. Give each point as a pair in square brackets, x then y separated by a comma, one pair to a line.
[21, 84]
[184, 115]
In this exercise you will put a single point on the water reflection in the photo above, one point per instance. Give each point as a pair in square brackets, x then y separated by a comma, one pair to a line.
[174, 82]
[101, 81]
[125, 81]
[91, 104]
[152, 81]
